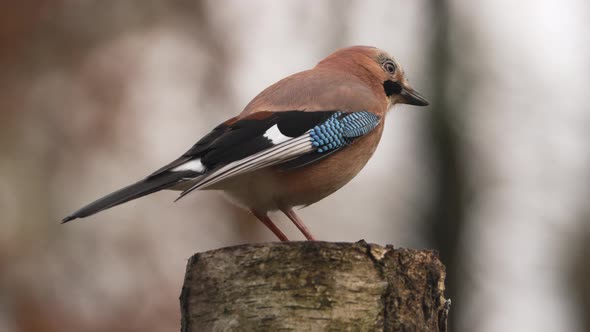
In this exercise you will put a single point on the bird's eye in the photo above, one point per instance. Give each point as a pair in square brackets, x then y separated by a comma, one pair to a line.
[389, 67]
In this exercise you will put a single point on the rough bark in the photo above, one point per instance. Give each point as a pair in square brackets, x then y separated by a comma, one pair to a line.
[314, 286]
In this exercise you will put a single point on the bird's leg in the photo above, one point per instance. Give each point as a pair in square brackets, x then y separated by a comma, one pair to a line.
[298, 222]
[268, 223]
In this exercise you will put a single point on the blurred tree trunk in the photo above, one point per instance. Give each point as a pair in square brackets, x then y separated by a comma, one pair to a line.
[579, 283]
[314, 286]
[446, 217]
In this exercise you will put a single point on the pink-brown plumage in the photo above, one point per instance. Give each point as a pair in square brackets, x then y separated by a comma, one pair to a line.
[351, 80]
[348, 80]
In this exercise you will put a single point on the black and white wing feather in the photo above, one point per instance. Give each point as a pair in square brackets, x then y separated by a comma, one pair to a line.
[290, 139]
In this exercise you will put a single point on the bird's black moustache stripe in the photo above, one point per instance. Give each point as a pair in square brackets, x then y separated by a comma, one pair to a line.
[391, 87]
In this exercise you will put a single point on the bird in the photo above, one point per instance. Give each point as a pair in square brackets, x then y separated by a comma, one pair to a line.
[297, 142]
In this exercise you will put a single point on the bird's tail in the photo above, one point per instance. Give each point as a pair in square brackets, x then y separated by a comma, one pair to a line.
[139, 189]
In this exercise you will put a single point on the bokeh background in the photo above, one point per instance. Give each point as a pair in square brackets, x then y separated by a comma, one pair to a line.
[494, 174]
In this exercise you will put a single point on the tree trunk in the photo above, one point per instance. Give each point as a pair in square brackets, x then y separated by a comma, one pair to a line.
[314, 286]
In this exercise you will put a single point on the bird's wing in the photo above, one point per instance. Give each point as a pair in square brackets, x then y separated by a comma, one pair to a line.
[288, 138]
[199, 148]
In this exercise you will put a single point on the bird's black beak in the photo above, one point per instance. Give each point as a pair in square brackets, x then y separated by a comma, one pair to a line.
[412, 97]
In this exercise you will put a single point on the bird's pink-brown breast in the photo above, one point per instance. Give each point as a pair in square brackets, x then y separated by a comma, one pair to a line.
[307, 185]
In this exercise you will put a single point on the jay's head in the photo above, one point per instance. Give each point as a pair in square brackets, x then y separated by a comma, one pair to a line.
[377, 69]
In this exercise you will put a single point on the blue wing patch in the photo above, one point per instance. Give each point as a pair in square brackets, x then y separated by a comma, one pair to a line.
[335, 133]
[341, 129]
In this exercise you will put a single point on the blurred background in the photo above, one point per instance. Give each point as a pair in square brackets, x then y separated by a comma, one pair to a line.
[494, 174]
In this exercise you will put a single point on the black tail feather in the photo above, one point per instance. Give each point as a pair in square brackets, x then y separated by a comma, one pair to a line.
[131, 192]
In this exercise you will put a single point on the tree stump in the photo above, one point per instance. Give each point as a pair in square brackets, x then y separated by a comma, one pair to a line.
[314, 286]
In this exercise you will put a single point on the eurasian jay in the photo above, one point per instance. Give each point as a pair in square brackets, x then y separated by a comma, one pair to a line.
[298, 141]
